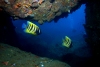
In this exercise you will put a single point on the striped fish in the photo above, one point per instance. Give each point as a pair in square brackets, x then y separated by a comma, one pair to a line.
[67, 42]
[31, 28]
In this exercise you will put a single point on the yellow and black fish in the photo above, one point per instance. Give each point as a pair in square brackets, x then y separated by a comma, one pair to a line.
[67, 42]
[31, 28]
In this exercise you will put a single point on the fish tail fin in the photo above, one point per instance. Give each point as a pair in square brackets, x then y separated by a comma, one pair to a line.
[23, 26]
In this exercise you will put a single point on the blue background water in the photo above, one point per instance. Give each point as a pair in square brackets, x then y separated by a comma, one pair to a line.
[49, 43]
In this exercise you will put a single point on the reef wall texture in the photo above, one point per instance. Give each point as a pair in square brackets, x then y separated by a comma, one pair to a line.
[39, 10]
[14, 57]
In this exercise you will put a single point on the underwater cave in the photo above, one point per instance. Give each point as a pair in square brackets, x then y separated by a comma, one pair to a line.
[81, 25]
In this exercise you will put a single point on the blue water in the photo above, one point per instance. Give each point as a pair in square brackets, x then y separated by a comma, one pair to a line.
[49, 42]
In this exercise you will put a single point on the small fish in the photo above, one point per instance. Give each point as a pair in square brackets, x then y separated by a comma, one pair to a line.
[31, 28]
[67, 42]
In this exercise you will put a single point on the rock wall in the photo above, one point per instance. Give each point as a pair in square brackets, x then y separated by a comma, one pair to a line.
[38, 10]
[92, 28]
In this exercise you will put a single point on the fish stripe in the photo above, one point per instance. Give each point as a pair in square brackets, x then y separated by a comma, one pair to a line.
[68, 41]
[34, 30]
[29, 26]
[33, 27]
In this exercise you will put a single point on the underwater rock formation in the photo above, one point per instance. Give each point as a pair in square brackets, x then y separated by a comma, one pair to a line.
[92, 26]
[39, 10]
[14, 57]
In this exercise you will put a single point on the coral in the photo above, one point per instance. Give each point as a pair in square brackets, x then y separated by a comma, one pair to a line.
[40, 2]
[17, 5]
[35, 5]
[58, 13]
[7, 1]
[40, 22]
[50, 16]
[39, 10]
